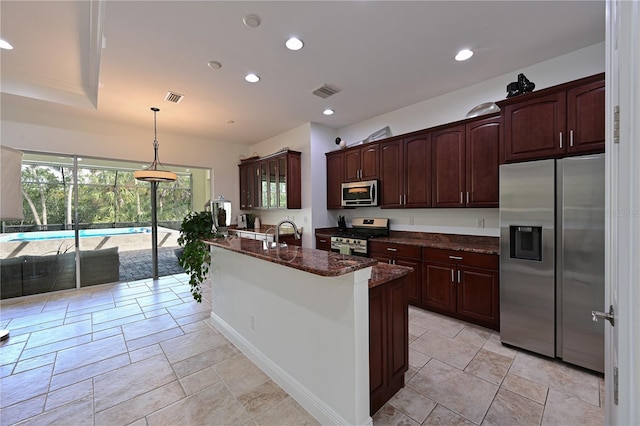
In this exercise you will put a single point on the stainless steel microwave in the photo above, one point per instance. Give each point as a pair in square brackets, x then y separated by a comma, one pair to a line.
[360, 194]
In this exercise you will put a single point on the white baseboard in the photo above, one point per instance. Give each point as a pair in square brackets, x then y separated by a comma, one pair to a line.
[307, 399]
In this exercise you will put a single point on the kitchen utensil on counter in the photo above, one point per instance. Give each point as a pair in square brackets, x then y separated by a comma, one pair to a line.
[342, 223]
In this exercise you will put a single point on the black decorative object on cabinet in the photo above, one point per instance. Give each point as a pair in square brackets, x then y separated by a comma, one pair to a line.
[523, 85]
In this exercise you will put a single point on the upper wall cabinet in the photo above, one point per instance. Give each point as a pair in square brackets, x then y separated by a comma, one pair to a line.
[405, 181]
[335, 178]
[361, 163]
[271, 182]
[350, 165]
[465, 164]
[562, 120]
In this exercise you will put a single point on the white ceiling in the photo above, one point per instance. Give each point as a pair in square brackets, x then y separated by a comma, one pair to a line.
[113, 60]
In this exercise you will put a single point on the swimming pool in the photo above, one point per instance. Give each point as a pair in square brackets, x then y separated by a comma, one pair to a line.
[60, 235]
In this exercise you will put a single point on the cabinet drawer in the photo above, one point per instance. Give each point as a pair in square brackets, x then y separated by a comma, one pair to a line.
[399, 250]
[479, 260]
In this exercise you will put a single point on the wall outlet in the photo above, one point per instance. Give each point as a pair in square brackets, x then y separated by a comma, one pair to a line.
[306, 219]
[410, 220]
[252, 321]
[480, 223]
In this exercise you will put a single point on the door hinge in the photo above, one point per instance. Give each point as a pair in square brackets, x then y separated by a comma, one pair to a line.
[616, 124]
[615, 385]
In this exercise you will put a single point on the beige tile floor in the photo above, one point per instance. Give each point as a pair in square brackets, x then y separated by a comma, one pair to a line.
[144, 353]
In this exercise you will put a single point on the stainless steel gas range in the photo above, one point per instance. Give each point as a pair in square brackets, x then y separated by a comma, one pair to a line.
[354, 240]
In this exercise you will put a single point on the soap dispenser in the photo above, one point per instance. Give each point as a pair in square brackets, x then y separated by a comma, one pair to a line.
[257, 223]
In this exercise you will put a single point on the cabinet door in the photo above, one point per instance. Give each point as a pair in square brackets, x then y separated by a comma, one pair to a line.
[482, 162]
[478, 296]
[535, 129]
[281, 201]
[585, 118]
[391, 174]
[253, 178]
[352, 165]
[417, 171]
[264, 185]
[413, 281]
[378, 346]
[294, 181]
[335, 178]
[448, 164]
[398, 328]
[272, 182]
[243, 186]
[369, 162]
[438, 287]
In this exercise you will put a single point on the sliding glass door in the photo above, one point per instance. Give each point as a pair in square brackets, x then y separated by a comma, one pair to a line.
[97, 208]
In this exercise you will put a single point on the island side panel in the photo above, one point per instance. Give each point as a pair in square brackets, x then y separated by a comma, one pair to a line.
[309, 333]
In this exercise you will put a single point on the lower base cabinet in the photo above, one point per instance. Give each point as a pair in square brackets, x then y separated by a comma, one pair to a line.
[462, 285]
[388, 340]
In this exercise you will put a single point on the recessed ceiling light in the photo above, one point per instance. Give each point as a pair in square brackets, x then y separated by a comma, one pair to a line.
[252, 78]
[214, 65]
[294, 43]
[251, 21]
[5, 45]
[328, 111]
[464, 54]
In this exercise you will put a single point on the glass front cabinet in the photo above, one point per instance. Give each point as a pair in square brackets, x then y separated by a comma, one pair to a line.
[271, 182]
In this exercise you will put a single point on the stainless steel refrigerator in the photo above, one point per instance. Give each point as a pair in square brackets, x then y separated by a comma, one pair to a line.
[552, 258]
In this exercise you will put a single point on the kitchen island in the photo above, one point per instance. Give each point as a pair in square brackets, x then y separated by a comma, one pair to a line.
[302, 316]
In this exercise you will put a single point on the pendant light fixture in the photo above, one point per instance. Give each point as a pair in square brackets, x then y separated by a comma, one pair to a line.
[153, 173]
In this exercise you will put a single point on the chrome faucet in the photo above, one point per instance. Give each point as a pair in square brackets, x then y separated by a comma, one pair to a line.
[295, 230]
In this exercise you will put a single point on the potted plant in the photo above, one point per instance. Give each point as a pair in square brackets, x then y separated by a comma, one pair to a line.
[196, 256]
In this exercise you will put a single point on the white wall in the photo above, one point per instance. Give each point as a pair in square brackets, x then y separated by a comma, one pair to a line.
[453, 107]
[297, 139]
[32, 129]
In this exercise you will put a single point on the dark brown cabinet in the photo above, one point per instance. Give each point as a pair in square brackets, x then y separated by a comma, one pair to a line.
[272, 182]
[585, 118]
[404, 255]
[388, 341]
[249, 185]
[561, 120]
[482, 162]
[361, 163]
[448, 167]
[405, 181]
[465, 164]
[323, 243]
[335, 178]
[463, 285]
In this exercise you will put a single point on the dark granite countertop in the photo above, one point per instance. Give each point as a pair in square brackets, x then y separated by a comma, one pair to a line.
[470, 243]
[383, 273]
[319, 262]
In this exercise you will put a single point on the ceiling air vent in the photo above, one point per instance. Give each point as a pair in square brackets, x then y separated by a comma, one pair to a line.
[174, 97]
[325, 91]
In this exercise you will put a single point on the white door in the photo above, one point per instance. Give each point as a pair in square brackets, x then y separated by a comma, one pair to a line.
[622, 285]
